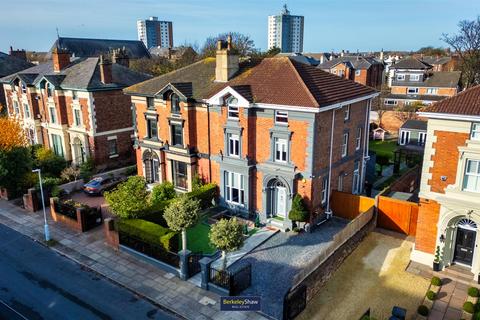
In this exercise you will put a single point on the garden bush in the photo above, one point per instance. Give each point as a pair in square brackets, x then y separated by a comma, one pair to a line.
[162, 192]
[129, 199]
[205, 194]
[423, 310]
[16, 170]
[50, 163]
[298, 213]
[70, 174]
[431, 295]
[87, 169]
[469, 307]
[473, 292]
[436, 281]
[150, 233]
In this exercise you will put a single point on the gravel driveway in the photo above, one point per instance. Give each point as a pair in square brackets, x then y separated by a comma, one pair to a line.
[275, 263]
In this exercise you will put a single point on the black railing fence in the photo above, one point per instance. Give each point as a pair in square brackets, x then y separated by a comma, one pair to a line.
[66, 210]
[235, 281]
[194, 263]
[149, 249]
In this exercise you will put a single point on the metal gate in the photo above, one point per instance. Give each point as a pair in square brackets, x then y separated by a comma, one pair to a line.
[294, 302]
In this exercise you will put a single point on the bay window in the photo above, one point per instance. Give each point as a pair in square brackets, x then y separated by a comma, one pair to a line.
[179, 174]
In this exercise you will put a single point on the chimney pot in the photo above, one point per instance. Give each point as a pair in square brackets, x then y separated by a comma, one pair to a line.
[227, 63]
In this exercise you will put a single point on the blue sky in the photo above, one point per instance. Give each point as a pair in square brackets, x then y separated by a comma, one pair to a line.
[334, 24]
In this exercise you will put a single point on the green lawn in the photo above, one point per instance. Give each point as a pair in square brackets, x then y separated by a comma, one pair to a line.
[385, 148]
[197, 239]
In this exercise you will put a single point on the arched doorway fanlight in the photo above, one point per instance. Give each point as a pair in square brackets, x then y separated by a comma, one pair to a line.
[466, 223]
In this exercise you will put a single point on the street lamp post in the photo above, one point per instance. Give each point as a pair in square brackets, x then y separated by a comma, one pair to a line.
[47, 232]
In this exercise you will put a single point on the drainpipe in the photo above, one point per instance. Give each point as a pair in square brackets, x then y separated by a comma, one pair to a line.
[209, 150]
[328, 211]
[365, 144]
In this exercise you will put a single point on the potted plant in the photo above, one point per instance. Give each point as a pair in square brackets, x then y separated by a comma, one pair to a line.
[436, 261]
[435, 284]
[473, 294]
[422, 312]
[468, 310]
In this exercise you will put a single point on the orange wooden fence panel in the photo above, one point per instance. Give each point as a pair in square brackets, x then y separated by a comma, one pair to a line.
[397, 215]
[349, 206]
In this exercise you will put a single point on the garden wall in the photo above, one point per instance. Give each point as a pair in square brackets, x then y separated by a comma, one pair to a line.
[80, 220]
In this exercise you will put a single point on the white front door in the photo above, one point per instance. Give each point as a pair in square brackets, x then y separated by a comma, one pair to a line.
[404, 137]
[281, 201]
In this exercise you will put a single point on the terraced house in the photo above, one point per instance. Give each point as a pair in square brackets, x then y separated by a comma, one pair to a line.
[76, 106]
[262, 131]
[449, 213]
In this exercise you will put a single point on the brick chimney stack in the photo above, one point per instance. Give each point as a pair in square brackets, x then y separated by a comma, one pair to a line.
[61, 59]
[105, 70]
[227, 62]
[120, 56]
[20, 54]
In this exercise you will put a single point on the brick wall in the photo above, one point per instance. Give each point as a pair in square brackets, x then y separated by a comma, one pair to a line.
[126, 153]
[445, 159]
[423, 90]
[112, 110]
[426, 235]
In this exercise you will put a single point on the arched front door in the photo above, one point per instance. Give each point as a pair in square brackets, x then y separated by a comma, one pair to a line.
[78, 153]
[465, 242]
[276, 198]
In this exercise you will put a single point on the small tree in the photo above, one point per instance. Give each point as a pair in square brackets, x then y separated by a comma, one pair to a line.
[11, 134]
[129, 199]
[162, 192]
[16, 170]
[182, 214]
[226, 235]
[298, 213]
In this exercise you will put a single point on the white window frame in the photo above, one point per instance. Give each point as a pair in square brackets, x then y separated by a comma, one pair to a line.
[80, 123]
[280, 150]
[432, 91]
[324, 190]
[234, 145]
[26, 110]
[390, 102]
[412, 89]
[400, 77]
[471, 175]
[16, 108]
[358, 139]
[53, 115]
[233, 112]
[356, 178]
[475, 135]
[344, 144]
[358, 72]
[234, 180]
[281, 117]
[109, 139]
[346, 113]
[414, 77]
[340, 182]
[408, 135]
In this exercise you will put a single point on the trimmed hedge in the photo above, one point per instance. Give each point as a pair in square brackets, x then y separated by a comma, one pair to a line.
[469, 307]
[205, 194]
[150, 232]
[473, 292]
[436, 281]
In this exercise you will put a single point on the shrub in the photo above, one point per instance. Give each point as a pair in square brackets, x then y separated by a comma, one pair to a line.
[129, 199]
[150, 233]
[70, 174]
[431, 295]
[473, 292]
[476, 316]
[48, 184]
[16, 170]
[155, 213]
[50, 163]
[436, 281]
[162, 192]
[205, 194]
[468, 307]
[197, 182]
[298, 211]
[423, 310]
[87, 168]
[227, 236]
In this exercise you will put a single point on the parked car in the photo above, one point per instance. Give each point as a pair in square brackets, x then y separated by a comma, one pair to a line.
[97, 186]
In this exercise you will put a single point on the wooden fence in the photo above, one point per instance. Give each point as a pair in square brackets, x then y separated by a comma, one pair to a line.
[349, 206]
[397, 215]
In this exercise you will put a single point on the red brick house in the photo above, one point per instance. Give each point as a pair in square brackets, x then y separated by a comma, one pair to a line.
[364, 70]
[449, 213]
[261, 131]
[76, 106]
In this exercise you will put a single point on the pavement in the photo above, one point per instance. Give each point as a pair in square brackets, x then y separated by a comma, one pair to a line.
[41, 284]
[276, 262]
[90, 250]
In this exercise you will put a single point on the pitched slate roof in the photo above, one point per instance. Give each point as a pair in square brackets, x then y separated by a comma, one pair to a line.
[436, 60]
[418, 97]
[440, 79]
[9, 64]
[81, 74]
[466, 102]
[281, 81]
[84, 48]
[357, 62]
[415, 125]
[411, 63]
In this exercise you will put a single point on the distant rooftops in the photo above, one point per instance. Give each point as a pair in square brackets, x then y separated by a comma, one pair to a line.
[415, 125]
[9, 64]
[411, 63]
[356, 62]
[466, 103]
[86, 48]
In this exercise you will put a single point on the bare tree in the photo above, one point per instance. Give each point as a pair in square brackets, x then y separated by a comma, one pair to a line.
[408, 112]
[241, 42]
[466, 43]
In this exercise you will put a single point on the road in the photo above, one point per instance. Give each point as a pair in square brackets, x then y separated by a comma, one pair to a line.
[38, 283]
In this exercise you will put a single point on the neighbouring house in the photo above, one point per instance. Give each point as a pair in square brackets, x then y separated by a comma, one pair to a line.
[172, 54]
[412, 133]
[261, 131]
[361, 69]
[10, 64]
[76, 106]
[446, 63]
[414, 81]
[449, 212]
[93, 48]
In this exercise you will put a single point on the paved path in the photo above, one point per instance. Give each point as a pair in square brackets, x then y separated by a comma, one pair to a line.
[277, 261]
[89, 249]
[41, 284]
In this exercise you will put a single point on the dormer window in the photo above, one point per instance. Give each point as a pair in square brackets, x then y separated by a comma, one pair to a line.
[175, 101]
[24, 87]
[49, 88]
[232, 104]
[475, 131]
